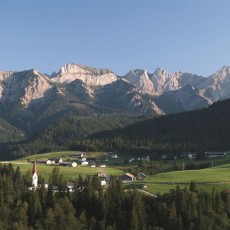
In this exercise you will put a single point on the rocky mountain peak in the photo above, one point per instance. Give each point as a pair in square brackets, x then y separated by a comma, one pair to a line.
[160, 79]
[77, 69]
[140, 78]
[24, 87]
[89, 75]
[5, 74]
[222, 73]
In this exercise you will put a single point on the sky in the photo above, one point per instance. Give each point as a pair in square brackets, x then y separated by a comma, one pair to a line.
[178, 35]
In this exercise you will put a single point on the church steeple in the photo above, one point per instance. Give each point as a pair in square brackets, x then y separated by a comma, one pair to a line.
[34, 175]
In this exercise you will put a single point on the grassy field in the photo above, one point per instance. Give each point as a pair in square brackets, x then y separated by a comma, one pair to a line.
[216, 174]
[219, 173]
[68, 172]
[62, 154]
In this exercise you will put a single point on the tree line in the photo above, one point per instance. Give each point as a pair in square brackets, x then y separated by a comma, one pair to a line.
[200, 130]
[91, 207]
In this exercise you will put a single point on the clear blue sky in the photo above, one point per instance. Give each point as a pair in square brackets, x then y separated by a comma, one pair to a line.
[187, 35]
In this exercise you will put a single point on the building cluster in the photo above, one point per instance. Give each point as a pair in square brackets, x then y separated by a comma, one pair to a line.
[75, 160]
[104, 178]
[194, 155]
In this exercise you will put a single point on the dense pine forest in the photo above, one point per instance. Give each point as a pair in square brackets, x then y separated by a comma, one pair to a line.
[59, 135]
[200, 130]
[113, 208]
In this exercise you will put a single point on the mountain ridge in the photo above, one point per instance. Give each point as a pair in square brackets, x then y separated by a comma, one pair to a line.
[29, 98]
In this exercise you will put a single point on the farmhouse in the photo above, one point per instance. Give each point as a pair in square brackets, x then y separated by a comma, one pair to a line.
[84, 163]
[103, 182]
[82, 159]
[127, 178]
[55, 160]
[114, 156]
[215, 154]
[73, 164]
[102, 165]
[141, 176]
[48, 162]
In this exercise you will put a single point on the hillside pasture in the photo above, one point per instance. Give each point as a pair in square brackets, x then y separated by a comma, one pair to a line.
[63, 154]
[69, 173]
[217, 177]
[215, 174]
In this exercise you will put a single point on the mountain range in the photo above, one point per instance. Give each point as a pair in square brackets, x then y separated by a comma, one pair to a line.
[30, 100]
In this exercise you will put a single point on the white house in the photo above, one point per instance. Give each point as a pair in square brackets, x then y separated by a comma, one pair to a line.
[103, 182]
[48, 162]
[73, 164]
[84, 163]
[55, 160]
[103, 166]
[83, 159]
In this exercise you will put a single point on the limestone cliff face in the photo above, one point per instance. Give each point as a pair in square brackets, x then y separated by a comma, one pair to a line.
[25, 87]
[124, 96]
[28, 92]
[90, 76]
[140, 78]
[217, 86]
[161, 81]
[37, 88]
[3, 76]
[164, 82]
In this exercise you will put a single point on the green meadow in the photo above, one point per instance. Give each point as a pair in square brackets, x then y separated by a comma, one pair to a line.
[215, 174]
[69, 173]
[217, 177]
[63, 154]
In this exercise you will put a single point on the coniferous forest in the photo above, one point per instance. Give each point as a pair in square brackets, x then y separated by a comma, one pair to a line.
[200, 130]
[113, 208]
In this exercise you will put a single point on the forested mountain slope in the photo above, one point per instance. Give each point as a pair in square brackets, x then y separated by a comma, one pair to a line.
[9, 133]
[204, 129]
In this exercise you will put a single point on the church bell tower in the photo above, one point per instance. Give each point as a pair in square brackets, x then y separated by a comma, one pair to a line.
[34, 176]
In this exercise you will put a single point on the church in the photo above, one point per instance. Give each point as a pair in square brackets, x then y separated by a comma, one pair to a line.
[34, 176]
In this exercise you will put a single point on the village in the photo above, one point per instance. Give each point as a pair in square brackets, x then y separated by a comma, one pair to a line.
[101, 161]
[81, 160]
